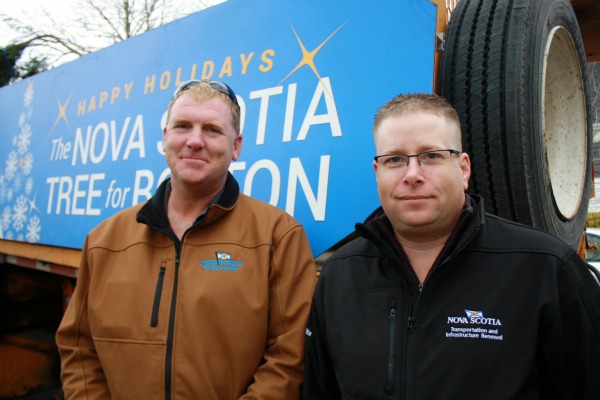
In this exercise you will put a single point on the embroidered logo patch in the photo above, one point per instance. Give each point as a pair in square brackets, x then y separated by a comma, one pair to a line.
[474, 314]
[474, 326]
[222, 262]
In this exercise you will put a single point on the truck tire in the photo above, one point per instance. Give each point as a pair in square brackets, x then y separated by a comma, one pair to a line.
[515, 71]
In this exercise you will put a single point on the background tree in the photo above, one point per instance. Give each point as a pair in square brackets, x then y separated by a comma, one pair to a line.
[10, 55]
[95, 24]
[10, 71]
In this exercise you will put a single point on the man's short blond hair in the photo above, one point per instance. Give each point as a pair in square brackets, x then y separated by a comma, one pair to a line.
[205, 92]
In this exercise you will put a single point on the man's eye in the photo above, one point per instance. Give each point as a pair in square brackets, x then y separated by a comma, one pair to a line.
[433, 156]
[180, 125]
[394, 160]
[212, 130]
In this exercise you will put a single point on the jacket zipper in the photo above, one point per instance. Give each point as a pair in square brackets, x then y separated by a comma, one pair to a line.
[389, 385]
[157, 296]
[410, 342]
[169, 352]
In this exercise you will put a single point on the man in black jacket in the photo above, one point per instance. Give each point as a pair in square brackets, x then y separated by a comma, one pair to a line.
[438, 299]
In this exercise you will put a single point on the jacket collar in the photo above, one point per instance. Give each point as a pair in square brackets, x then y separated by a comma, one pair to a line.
[378, 229]
[154, 212]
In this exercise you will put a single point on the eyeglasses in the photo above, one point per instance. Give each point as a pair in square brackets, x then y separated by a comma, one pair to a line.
[430, 158]
[216, 85]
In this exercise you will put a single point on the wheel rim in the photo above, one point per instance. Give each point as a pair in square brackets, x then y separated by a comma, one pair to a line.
[564, 123]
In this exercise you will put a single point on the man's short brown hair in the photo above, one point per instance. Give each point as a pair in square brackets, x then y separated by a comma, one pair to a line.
[419, 102]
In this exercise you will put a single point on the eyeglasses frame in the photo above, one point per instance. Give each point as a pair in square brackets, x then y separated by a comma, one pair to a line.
[408, 156]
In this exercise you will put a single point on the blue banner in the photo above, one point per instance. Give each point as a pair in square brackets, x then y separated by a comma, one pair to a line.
[84, 140]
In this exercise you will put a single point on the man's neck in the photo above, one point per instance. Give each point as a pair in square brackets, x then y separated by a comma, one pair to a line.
[183, 208]
[422, 255]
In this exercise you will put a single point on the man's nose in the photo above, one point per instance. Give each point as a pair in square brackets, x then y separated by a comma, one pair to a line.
[413, 169]
[196, 137]
[413, 162]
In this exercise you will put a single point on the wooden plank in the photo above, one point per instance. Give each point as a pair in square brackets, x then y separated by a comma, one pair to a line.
[52, 258]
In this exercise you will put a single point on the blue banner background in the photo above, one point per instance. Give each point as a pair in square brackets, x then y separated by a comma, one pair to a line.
[82, 141]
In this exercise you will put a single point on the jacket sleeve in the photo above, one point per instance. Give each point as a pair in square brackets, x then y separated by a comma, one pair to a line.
[291, 285]
[81, 373]
[319, 375]
[570, 336]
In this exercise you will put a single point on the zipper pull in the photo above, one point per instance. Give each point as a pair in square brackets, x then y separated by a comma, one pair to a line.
[411, 325]
[392, 313]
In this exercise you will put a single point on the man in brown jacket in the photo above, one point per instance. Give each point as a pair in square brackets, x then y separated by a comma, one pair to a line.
[199, 293]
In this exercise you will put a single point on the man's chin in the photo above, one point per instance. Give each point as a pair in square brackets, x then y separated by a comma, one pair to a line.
[417, 218]
[191, 179]
[421, 224]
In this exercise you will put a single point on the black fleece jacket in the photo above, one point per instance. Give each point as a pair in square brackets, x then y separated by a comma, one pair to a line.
[506, 312]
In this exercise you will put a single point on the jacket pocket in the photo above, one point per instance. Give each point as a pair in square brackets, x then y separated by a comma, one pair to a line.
[389, 384]
[157, 296]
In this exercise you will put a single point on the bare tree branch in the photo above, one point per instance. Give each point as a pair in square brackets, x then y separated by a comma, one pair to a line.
[95, 24]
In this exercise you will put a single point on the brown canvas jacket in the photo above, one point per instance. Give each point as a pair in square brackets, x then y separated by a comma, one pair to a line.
[219, 316]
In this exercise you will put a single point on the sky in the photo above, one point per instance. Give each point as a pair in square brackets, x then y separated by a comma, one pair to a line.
[29, 9]
[60, 10]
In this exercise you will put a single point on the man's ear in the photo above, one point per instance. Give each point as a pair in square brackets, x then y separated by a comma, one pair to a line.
[465, 166]
[237, 147]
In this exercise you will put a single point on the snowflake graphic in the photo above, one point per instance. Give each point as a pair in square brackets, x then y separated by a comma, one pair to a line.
[12, 164]
[33, 229]
[6, 218]
[28, 97]
[17, 184]
[17, 187]
[3, 193]
[24, 139]
[20, 210]
[27, 165]
[29, 186]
